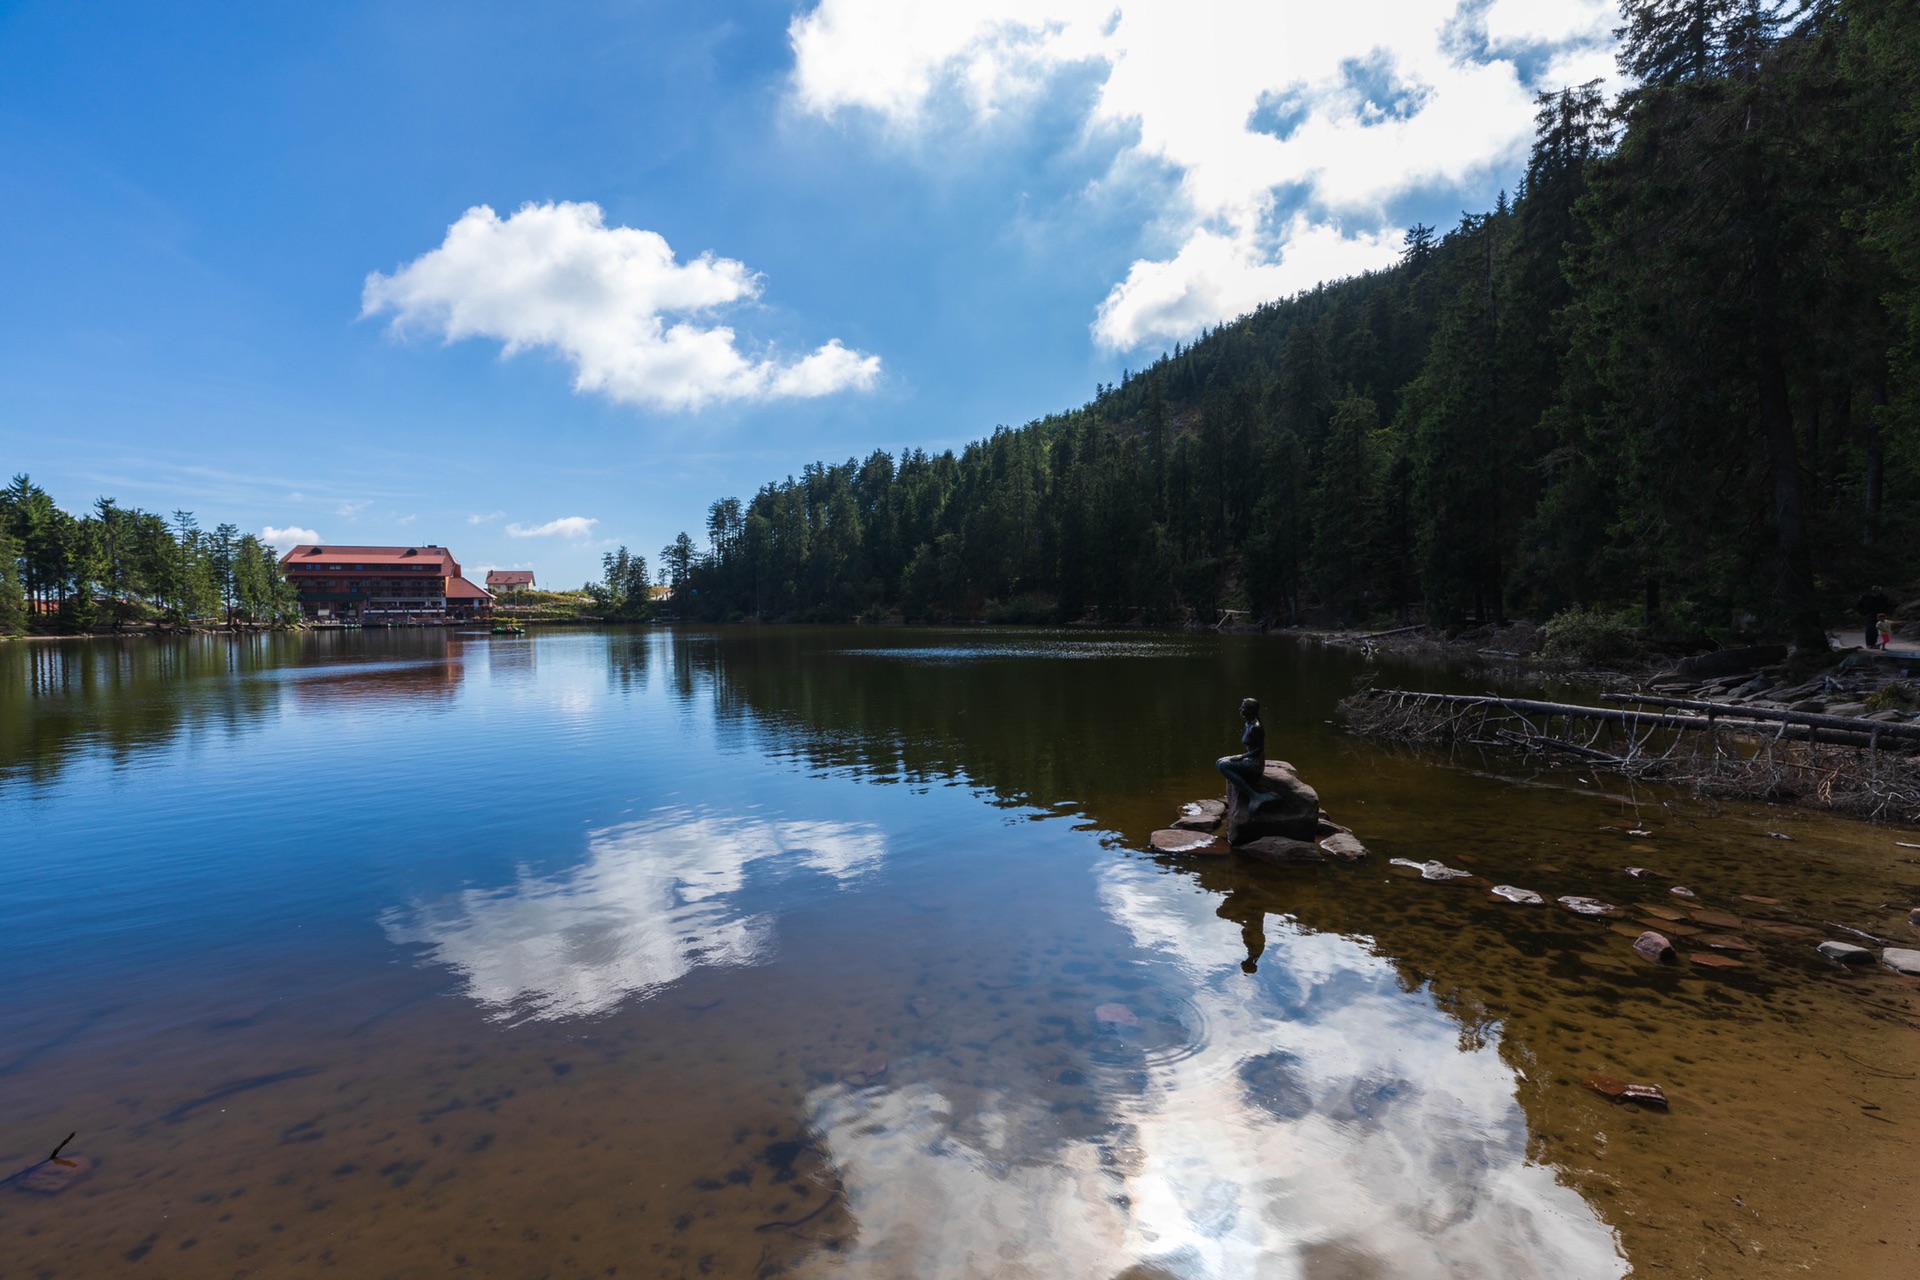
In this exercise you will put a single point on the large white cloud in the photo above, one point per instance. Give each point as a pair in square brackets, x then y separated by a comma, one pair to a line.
[635, 324]
[1326, 1122]
[1293, 126]
[653, 901]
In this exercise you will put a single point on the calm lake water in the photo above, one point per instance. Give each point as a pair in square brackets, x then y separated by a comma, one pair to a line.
[831, 952]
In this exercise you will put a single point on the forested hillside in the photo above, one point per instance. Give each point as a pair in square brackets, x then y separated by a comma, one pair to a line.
[1677, 370]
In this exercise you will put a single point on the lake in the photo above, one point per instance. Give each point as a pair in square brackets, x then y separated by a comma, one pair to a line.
[809, 951]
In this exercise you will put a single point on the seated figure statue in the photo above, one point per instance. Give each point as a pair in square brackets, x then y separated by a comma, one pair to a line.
[1247, 771]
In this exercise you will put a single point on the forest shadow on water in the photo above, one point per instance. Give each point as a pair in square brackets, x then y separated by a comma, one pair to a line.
[793, 951]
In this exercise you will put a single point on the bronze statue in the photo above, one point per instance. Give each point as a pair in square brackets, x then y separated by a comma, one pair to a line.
[1246, 771]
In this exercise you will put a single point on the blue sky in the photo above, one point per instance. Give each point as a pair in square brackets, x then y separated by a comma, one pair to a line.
[276, 264]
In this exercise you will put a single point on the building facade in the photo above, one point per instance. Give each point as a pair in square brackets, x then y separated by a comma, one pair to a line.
[383, 585]
[500, 580]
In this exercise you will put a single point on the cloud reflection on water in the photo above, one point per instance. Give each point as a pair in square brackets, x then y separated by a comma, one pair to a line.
[1319, 1120]
[654, 900]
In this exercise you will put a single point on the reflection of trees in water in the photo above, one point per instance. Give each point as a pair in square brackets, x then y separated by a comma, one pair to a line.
[1117, 714]
[123, 697]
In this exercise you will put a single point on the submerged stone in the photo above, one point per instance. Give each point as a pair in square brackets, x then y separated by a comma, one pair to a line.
[1665, 913]
[51, 1177]
[1343, 845]
[1754, 897]
[1681, 891]
[1845, 953]
[1651, 946]
[1513, 893]
[1708, 960]
[1116, 1015]
[1588, 906]
[1723, 942]
[1902, 960]
[1716, 919]
[1282, 852]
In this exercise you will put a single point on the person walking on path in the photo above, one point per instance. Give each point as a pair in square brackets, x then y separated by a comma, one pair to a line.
[1873, 604]
[1246, 771]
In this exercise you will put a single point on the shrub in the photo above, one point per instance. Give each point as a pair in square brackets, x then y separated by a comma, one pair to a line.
[1591, 636]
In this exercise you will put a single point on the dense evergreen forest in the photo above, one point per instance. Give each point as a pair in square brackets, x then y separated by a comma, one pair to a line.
[1677, 373]
[119, 565]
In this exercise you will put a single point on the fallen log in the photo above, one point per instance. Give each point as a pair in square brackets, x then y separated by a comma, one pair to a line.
[1813, 719]
[1851, 735]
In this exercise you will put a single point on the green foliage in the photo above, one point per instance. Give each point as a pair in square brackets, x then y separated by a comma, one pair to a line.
[1901, 695]
[1590, 637]
[116, 565]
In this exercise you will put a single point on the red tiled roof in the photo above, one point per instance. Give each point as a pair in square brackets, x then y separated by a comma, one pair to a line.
[461, 589]
[509, 577]
[308, 556]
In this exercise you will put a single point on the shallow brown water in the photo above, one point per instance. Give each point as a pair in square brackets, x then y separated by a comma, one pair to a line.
[766, 952]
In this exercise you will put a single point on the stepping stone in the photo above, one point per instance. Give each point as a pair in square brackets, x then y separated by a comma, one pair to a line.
[1845, 953]
[1589, 906]
[1708, 960]
[1902, 960]
[1171, 841]
[1716, 919]
[1673, 927]
[1431, 870]
[1681, 891]
[1665, 913]
[1513, 893]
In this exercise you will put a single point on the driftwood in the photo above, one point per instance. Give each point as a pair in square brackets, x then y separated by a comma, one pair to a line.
[1853, 766]
[1812, 719]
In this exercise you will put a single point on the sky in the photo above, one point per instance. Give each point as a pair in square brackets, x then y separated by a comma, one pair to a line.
[535, 281]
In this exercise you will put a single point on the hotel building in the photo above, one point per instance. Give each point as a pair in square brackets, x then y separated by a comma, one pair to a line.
[383, 584]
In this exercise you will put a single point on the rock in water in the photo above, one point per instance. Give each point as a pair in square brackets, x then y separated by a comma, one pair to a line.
[1200, 815]
[1588, 906]
[1431, 870]
[1913, 917]
[1618, 1090]
[1343, 845]
[1328, 827]
[1902, 960]
[1293, 813]
[1171, 841]
[1513, 893]
[1281, 852]
[1681, 891]
[1116, 1015]
[1846, 953]
[1707, 960]
[51, 1177]
[1651, 946]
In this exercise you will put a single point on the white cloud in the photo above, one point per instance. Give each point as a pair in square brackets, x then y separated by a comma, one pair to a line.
[653, 901]
[352, 510]
[564, 527]
[1246, 1129]
[488, 518]
[407, 519]
[634, 323]
[1293, 127]
[288, 538]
